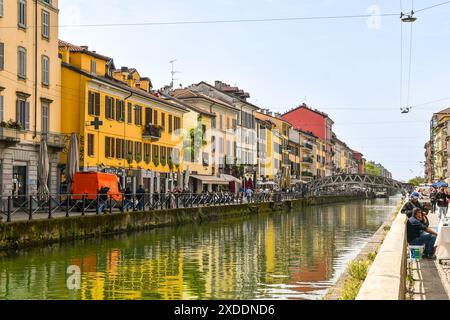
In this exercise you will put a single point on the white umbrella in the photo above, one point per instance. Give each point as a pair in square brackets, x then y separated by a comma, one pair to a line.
[73, 163]
[179, 179]
[43, 168]
[186, 179]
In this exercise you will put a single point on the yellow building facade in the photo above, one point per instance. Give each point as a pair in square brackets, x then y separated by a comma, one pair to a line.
[30, 93]
[123, 128]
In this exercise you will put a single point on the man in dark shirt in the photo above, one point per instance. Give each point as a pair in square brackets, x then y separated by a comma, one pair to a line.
[418, 234]
[442, 198]
[412, 204]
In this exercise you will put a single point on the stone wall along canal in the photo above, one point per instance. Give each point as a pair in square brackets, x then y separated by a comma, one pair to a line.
[291, 255]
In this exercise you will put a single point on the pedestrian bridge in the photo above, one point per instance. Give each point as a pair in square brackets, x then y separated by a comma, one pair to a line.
[365, 181]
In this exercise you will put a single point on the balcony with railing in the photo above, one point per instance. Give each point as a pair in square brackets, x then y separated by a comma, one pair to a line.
[308, 174]
[54, 140]
[308, 160]
[308, 146]
[152, 132]
[11, 135]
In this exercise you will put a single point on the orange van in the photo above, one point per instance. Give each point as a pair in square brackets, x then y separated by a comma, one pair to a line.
[89, 184]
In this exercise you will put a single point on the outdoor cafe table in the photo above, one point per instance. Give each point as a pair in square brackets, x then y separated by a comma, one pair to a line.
[443, 243]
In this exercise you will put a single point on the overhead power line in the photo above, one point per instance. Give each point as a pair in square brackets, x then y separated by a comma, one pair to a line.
[433, 6]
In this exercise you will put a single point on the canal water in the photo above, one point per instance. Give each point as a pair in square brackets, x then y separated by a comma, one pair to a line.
[295, 255]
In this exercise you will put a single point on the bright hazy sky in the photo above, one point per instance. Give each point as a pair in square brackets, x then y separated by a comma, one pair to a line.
[341, 67]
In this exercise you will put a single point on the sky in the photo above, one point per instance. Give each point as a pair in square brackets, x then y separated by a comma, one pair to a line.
[348, 68]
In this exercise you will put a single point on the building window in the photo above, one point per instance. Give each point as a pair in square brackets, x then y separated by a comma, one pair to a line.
[176, 123]
[2, 55]
[170, 123]
[91, 142]
[130, 113]
[120, 149]
[45, 24]
[155, 117]
[163, 120]
[1, 8]
[221, 122]
[45, 70]
[94, 103]
[138, 151]
[213, 122]
[120, 110]
[93, 66]
[109, 108]
[23, 113]
[130, 151]
[22, 63]
[138, 115]
[109, 147]
[22, 12]
[45, 117]
[155, 152]
[147, 155]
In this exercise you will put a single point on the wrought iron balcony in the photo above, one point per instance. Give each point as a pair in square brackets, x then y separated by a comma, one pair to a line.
[152, 132]
[308, 160]
[308, 146]
[307, 174]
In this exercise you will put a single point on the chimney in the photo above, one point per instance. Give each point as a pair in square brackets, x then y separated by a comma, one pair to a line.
[124, 69]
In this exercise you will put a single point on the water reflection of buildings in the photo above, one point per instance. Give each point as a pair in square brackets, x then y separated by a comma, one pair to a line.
[226, 260]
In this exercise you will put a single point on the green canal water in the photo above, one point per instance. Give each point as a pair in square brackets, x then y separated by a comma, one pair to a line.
[296, 255]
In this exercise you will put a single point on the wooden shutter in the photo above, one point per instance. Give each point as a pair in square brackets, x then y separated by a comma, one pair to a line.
[107, 107]
[2, 54]
[112, 107]
[1, 8]
[1, 104]
[97, 104]
[27, 116]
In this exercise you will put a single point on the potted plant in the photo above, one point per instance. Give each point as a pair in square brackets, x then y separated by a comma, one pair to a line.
[138, 158]
[130, 158]
[155, 161]
[170, 163]
[148, 160]
[163, 161]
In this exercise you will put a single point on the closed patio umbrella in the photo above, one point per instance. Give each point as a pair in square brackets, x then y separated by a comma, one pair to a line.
[43, 168]
[186, 179]
[179, 179]
[73, 163]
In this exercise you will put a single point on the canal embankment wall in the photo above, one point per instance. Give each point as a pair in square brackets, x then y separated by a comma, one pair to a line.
[24, 234]
[386, 279]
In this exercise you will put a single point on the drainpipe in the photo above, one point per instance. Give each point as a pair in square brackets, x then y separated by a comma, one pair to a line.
[35, 66]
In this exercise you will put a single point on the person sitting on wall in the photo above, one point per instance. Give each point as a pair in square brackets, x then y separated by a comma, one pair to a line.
[102, 199]
[418, 234]
[411, 204]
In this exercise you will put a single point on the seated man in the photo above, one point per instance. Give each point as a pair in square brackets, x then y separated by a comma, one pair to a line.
[418, 234]
[411, 204]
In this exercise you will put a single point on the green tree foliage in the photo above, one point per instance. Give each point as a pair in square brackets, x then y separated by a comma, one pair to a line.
[373, 170]
[417, 181]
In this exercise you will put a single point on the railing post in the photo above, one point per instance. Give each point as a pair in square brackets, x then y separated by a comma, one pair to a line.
[133, 198]
[122, 206]
[67, 205]
[9, 204]
[30, 209]
[110, 204]
[50, 206]
[98, 205]
[83, 208]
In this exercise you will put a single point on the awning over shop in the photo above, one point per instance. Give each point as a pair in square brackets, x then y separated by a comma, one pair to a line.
[210, 179]
[230, 178]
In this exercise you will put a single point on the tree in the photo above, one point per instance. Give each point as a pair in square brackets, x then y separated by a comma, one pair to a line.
[373, 170]
[417, 181]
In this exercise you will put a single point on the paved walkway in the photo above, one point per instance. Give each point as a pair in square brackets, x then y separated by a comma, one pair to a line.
[431, 280]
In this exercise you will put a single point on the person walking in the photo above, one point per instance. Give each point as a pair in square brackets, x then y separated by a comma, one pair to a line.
[140, 197]
[442, 203]
[102, 199]
[433, 200]
[128, 199]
